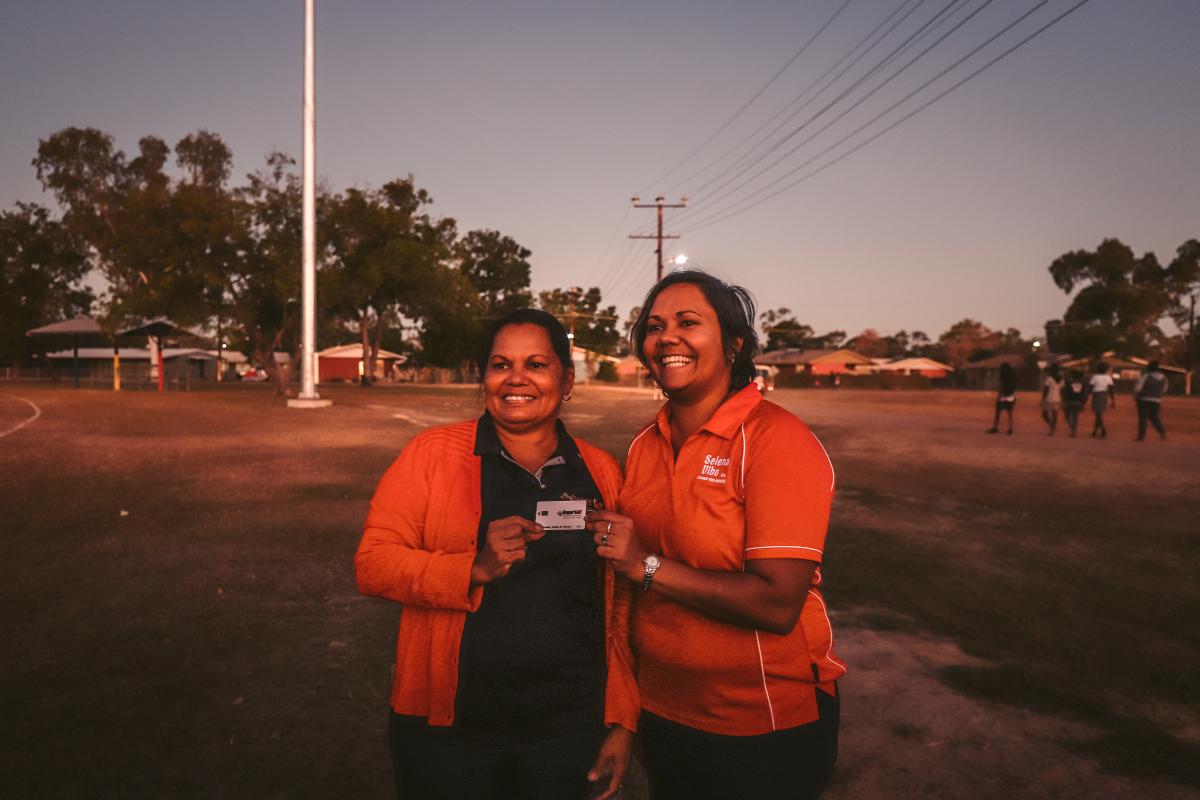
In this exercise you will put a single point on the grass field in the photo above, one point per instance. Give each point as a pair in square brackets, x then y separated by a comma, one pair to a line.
[1018, 613]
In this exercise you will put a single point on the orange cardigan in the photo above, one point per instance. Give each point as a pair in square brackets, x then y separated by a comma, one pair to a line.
[418, 545]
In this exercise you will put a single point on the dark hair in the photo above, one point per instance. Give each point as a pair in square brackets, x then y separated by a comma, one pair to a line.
[555, 332]
[1102, 368]
[1007, 369]
[1054, 371]
[1153, 365]
[735, 313]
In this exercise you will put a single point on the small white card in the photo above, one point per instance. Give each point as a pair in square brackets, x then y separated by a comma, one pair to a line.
[562, 515]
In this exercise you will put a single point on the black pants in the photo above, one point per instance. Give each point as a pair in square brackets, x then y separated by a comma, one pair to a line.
[1071, 412]
[434, 763]
[1148, 412]
[793, 764]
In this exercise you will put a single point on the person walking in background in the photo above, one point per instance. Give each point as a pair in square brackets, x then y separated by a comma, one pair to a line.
[1100, 389]
[1149, 394]
[1052, 397]
[1006, 398]
[1073, 392]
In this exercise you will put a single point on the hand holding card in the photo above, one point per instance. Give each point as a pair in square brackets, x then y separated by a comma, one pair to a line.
[504, 546]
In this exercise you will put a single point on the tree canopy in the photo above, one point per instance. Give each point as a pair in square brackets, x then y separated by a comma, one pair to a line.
[184, 243]
[1122, 299]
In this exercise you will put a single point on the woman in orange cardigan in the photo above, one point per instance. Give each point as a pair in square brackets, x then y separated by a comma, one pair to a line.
[513, 674]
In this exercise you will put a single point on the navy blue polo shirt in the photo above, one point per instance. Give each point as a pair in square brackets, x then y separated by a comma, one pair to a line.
[532, 655]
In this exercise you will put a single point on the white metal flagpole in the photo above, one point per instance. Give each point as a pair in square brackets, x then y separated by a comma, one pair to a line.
[308, 390]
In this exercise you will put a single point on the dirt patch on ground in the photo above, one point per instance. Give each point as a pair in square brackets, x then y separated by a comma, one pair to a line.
[906, 734]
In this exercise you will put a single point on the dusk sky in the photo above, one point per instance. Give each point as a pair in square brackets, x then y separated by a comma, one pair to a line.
[541, 119]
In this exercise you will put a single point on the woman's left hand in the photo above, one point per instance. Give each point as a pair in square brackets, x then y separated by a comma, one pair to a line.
[617, 541]
[613, 761]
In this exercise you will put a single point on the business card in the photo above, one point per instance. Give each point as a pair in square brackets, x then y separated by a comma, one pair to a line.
[562, 515]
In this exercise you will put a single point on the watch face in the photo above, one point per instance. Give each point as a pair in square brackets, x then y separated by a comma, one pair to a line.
[652, 563]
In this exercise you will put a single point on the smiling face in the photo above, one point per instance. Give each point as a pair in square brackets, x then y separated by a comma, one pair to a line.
[524, 382]
[683, 345]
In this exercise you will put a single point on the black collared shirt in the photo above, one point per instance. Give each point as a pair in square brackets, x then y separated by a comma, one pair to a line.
[531, 659]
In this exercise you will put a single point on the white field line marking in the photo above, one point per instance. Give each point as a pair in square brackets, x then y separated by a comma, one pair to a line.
[37, 412]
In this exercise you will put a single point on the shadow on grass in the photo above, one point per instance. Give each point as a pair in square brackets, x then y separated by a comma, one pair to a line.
[1066, 638]
[1127, 744]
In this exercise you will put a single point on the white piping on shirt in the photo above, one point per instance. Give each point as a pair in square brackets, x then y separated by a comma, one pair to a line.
[829, 626]
[783, 547]
[832, 471]
[648, 428]
[763, 670]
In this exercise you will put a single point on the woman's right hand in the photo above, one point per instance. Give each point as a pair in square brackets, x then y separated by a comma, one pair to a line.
[503, 546]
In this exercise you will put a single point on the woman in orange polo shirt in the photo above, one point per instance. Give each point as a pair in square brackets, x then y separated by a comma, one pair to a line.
[723, 518]
[512, 660]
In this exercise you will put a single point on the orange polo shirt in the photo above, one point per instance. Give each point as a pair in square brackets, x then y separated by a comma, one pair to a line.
[753, 482]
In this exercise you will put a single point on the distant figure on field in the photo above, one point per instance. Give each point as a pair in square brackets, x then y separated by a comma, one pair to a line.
[1100, 389]
[1052, 389]
[1073, 392]
[1006, 397]
[1149, 394]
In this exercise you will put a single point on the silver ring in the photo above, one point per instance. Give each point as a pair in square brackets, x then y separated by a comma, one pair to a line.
[603, 538]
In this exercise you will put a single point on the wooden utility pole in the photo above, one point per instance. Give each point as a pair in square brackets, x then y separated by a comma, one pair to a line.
[660, 204]
[1191, 347]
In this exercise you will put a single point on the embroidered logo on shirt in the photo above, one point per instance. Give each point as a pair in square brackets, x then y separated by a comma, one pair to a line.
[713, 470]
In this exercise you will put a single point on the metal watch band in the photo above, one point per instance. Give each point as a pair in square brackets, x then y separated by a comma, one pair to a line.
[651, 564]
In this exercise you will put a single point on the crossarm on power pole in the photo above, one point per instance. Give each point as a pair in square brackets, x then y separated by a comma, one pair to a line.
[659, 203]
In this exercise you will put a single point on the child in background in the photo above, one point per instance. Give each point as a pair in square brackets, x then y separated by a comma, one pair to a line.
[1073, 392]
[1100, 389]
[1052, 397]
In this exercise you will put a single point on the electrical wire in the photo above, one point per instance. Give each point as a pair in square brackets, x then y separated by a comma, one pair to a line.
[754, 97]
[842, 114]
[817, 82]
[732, 212]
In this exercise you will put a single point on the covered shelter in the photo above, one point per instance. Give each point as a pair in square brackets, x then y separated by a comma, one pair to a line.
[157, 330]
[181, 364]
[79, 330]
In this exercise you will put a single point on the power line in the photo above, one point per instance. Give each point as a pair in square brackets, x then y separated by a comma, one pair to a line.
[608, 247]
[749, 102]
[729, 213]
[802, 95]
[841, 115]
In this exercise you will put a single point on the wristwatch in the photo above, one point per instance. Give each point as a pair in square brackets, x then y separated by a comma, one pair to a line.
[651, 563]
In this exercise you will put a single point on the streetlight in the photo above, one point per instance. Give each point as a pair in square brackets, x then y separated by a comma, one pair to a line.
[680, 260]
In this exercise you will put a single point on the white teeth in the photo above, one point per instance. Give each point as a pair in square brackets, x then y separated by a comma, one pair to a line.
[517, 398]
[675, 361]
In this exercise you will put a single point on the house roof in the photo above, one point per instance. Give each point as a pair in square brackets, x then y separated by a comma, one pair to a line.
[68, 327]
[591, 355]
[160, 326]
[914, 363]
[354, 351]
[1120, 362]
[796, 356]
[995, 362]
